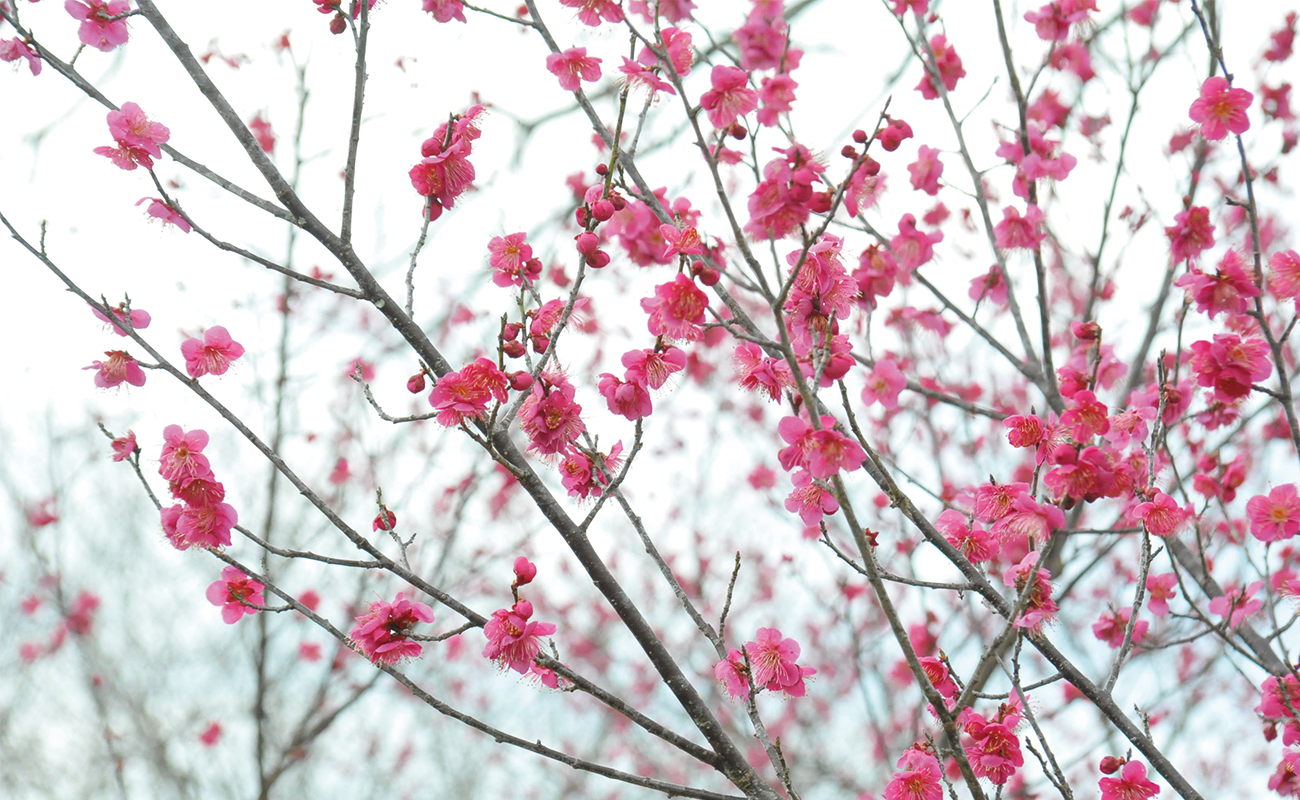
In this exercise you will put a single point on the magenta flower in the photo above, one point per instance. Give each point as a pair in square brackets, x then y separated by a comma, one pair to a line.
[732, 674]
[130, 125]
[639, 76]
[205, 526]
[772, 659]
[513, 640]
[1220, 109]
[139, 319]
[626, 398]
[1017, 232]
[1236, 604]
[994, 748]
[160, 210]
[383, 632]
[678, 241]
[182, 454]
[261, 130]
[1162, 590]
[919, 778]
[124, 446]
[119, 368]
[550, 417]
[1231, 364]
[1161, 514]
[949, 65]
[234, 592]
[677, 309]
[97, 30]
[15, 48]
[1110, 627]
[926, 170]
[730, 96]
[1193, 234]
[572, 67]
[592, 12]
[444, 175]
[1285, 277]
[463, 395]
[809, 500]
[213, 355]
[884, 383]
[653, 368]
[1132, 784]
[1040, 607]
[911, 247]
[211, 735]
[1276, 517]
[446, 10]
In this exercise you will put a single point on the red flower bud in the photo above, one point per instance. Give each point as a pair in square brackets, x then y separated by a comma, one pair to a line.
[415, 383]
[525, 571]
[598, 259]
[849, 151]
[860, 136]
[588, 242]
[338, 24]
[521, 381]
[602, 170]
[510, 331]
[1111, 764]
[513, 349]
[385, 521]
[602, 210]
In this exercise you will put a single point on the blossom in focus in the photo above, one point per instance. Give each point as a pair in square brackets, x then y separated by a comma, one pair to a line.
[1275, 517]
[382, 633]
[233, 592]
[514, 640]
[465, 394]
[918, 778]
[571, 66]
[1132, 784]
[730, 96]
[124, 446]
[213, 355]
[731, 673]
[1220, 109]
[1192, 234]
[119, 368]
[182, 454]
[96, 30]
[138, 319]
[772, 659]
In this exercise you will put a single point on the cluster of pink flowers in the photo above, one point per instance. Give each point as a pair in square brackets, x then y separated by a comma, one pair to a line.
[1132, 783]
[1192, 234]
[760, 373]
[550, 417]
[201, 519]
[764, 45]
[1052, 22]
[646, 370]
[211, 356]
[383, 633]
[948, 64]
[514, 638]
[512, 261]
[445, 173]
[79, 621]
[1230, 365]
[768, 662]
[1040, 608]
[465, 394]
[784, 199]
[677, 309]
[992, 745]
[1227, 291]
[815, 455]
[236, 594]
[137, 138]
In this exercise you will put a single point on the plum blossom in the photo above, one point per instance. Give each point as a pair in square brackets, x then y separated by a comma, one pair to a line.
[911, 247]
[444, 11]
[1161, 514]
[1110, 627]
[15, 48]
[994, 749]
[677, 309]
[653, 368]
[948, 64]
[919, 777]
[1220, 109]
[628, 399]
[1040, 608]
[514, 640]
[926, 170]
[382, 633]
[465, 394]
[809, 500]
[572, 67]
[118, 369]
[511, 259]
[206, 526]
[124, 446]
[884, 383]
[159, 210]
[97, 30]
[1285, 277]
[1236, 604]
[1132, 784]
[1161, 589]
[772, 659]
[213, 355]
[1017, 232]
[1276, 517]
[1192, 234]
[1052, 22]
[759, 373]
[182, 454]
[732, 673]
[594, 12]
[1230, 365]
[236, 593]
[730, 96]
[549, 416]
[138, 318]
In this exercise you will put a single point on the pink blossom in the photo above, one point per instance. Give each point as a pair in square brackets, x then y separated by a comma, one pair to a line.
[772, 659]
[549, 416]
[1016, 232]
[182, 454]
[1192, 234]
[124, 446]
[926, 170]
[1052, 22]
[1162, 515]
[1220, 109]
[465, 394]
[832, 451]
[678, 241]
[198, 491]
[445, 10]
[653, 368]
[677, 44]
[911, 247]
[919, 778]
[382, 633]
[1110, 627]
[994, 750]
[1040, 608]
[758, 373]
[1086, 417]
[989, 285]
[169, 517]
[235, 593]
[211, 735]
[993, 501]
[139, 319]
[761, 477]
[96, 29]
[592, 12]
[205, 526]
[628, 399]
[126, 156]
[730, 96]
[1161, 590]
[213, 355]
[777, 96]
[15, 48]
[1236, 604]
[1231, 365]
[677, 309]
[1228, 291]
[639, 76]
[119, 368]
[1276, 517]
[571, 66]
[949, 65]
[810, 501]
[1028, 519]
[732, 674]
[1285, 277]
[973, 540]
[130, 125]
[160, 210]
[781, 201]
[1132, 784]
[1286, 780]
[918, 7]
[513, 639]
[261, 130]
[884, 383]
[511, 258]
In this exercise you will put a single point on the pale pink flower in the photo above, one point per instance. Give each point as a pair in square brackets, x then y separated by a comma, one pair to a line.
[639, 76]
[731, 673]
[1276, 517]
[124, 446]
[571, 65]
[1161, 589]
[1220, 109]
[233, 593]
[730, 96]
[96, 29]
[160, 210]
[911, 247]
[182, 454]
[514, 640]
[382, 633]
[213, 355]
[15, 48]
[884, 383]
[1236, 604]
[926, 170]
[1285, 278]
[1017, 232]
[119, 368]
[772, 659]
[138, 319]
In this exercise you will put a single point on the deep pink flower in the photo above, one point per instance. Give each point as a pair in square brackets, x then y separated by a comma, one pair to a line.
[677, 309]
[1086, 417]
[138, 318]
[130, 125]
[81, 614]
[994, 749]
[1227, 291]
[1110, 627]
[160, 210]
[976, 543]
[445, 10]
[639, 76]
[653, 368]
[772, 659]
[919, 7]
[1192, 234]
[1285, 278]
[1231, 365]
[1286, 781]
[119, 368]
[463, 395]
[949, 65]
[213, 355]
[232, 592]
[731, 673]
[592, 12]
[571, 66]
[211, 735]
[677, 44]
[382, 632]
[444, 174]
[1028, 519]
[759, 373]
[884, 383]
[124, 446]
[1040, 607]
[831, 451]
[810, 501]
[911, 247]
[549, 416]
[261, 130]
[1161, 514]
[1236, 604]
[169, 516]
[511, 258]
[15, 48]
[926, 170]
[1016, 232]
[678, 241]
[1052, 22]
[205, 526]
[919, 777]
[182, 454]
[730, 96]
[1161, 590]
[1276, 517]
[628, 399]
[1220, 109]
[777, 96]
[1132, 784]
[96, 29]
[514, 640]
[385, 520]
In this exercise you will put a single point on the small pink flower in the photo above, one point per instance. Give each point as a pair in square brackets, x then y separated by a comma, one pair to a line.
[926, 170]
[571, 65]
[1016, 232]
[15, 48]
[1162, 590]
[549, 416]
[130, 125]
[213, 355]
[261, 130]
[160, 210]
[1110, 627]
[949, 65]
[772, 658]
[919, 778]
[676, 240]
[233, 593]
[639, 76]
[731, 673]
[445, 10]
[211, 734]
[463, 395]
[593, 12]
[97, 30]
[138, 319]
[884, 383]
[759, 373]
[1086, 417]
[730, 96]
[1220, 109]
[119, 368]
[1276, 517]
[911, 247]
[626, 398]
[205, 526]
[653, 368]
[182, 454]
[1236, 604]
[513, 639]
[1192, 234]
[677, 43]
[810, 501]
[124, 446]
[1161, 514]
[677, 309]
[1041, 608]
[383, 632]
[1285, 278]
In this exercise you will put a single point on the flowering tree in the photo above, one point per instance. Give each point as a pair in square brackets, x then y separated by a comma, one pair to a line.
[904, 494]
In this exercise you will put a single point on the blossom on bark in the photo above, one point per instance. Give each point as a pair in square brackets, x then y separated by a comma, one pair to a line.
[810, 501]
[772, 659]
[97, 30]
[382, 633]
[213, 355]
[759, 373]
[732, 674]
[138, 319]
[572, 67]
[948, 64]
[1220, 109]
[514, 640]
[549, 416]
[233, 593]
[1161, 514]
[118, 369]
[677, 309]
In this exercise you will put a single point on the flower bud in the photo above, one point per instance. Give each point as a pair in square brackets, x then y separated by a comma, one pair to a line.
[738, 131]
[540, 343]
[598, 259]
[415, 383]
[338, 24]
[513, 349]
[510, 331]
[618, 201]
[525, 570]
[588, 243]
[602, 210]
[710, 276]
[860, 136]
[581, 216]
[602, 169]
[521, 381]
[1111, 764]
[385, 520]
[849, 151]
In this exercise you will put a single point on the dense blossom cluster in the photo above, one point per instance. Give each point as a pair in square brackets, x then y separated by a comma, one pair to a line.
[201, 518]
